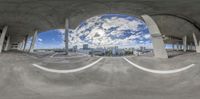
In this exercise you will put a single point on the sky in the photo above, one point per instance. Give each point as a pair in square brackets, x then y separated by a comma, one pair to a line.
[99, 31]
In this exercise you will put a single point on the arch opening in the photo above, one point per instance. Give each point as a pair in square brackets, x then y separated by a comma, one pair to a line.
[113, 34]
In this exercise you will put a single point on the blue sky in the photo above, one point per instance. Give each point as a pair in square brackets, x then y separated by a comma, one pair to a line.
[99, 31]
[50, 39]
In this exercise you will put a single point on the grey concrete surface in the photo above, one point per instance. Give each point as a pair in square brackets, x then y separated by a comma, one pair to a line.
[7, 46]
[111, 78]
[2, 37]
[67, 63]
[196, 43]
[156, 37]
[34, 38]
[24, 16]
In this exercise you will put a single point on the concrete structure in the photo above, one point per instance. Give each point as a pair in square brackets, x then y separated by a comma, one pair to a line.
[22, 45]
[173, 47]
[25, 42]
[7, 47]
[66, 35]
[34, 38]
[3, 34]
[169, 22]
[55, 15]
[197, 45]
[178, 46]
[156, 36]
[184, 43]
[19, 46]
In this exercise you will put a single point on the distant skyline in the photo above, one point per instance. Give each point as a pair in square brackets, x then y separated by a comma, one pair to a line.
[99, 31]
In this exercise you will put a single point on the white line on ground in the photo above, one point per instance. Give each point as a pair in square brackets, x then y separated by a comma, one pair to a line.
[66, 71]
[159, 71]
[70, 57]
[52, 56]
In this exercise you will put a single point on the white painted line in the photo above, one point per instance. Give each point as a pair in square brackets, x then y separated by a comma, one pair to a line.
[69, 57]
[66, 71]
[159, 71]
[53, 55]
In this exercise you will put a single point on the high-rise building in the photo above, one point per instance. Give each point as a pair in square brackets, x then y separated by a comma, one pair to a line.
[75, 48]
[85, 47]
[115, 50]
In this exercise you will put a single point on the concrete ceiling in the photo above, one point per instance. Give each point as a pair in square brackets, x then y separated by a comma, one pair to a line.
[24, 16]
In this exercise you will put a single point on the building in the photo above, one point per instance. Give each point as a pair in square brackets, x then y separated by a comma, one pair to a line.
[75, 48]
[85, 47]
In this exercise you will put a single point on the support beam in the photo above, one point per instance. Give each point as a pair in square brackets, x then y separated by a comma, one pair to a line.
[25, 42]
[3, 34]
[34, 38]
[66, 35]
[7, 47]
[156, 36]
[185, 43]
[197, 46]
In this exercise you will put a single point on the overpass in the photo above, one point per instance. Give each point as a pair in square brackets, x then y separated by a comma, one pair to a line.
[176, 20]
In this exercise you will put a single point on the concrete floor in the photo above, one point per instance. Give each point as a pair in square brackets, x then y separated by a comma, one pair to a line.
[111, 78]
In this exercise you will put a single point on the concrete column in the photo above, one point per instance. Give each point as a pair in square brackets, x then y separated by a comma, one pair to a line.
[25, 42]
[7, 44]
[34, 38]
[19, 45]
[190, 48]
[197, 46]
[181, 46]
[66, 35]
[3, 34]
[22, 46]
[172, 46]
[184, 43]
[177, 46]
[157, 40]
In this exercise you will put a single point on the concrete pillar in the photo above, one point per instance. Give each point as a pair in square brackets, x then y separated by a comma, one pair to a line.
[25, 42]
[172, 46]
[66, 35]
[34, 38]
[19, 46]
[184, 43]
[3, 34]
[177, 46]
[7, 44]
[157, 40]
[197, 45]
[22, 46]
[181, 46]
[190, 48]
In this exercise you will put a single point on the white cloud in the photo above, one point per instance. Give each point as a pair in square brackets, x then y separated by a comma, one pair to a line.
[147, 36]
[61, 30]
[40, 40]
[99, 32]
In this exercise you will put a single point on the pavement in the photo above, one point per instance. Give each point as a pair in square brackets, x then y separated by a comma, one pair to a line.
[110, 78]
